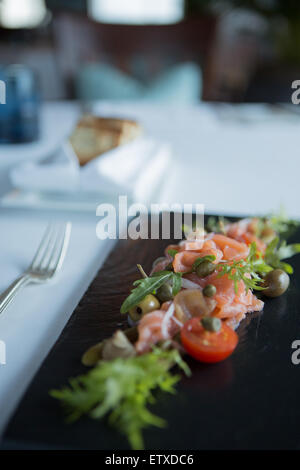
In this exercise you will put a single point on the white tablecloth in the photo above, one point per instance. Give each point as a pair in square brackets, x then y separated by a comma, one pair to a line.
[233, 167]
[31, 324]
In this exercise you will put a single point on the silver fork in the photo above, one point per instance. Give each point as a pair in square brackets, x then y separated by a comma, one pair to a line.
[47, 261]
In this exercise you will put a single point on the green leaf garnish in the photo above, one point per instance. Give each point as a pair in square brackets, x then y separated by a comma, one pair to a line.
[276, 251]
[122, 389]
[149, 286]
[172, 253]
[287, 251]
[236, 272]
[176, 280]
[177, 277]
[246, 270]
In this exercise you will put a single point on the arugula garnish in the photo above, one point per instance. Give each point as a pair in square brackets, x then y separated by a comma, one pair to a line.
[149, 285]
[123, 388]
[177, 277]
[277, 251]
[172, 252]
[248, 270]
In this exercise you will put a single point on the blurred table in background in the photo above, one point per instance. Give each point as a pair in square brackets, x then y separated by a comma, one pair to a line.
[235, 159]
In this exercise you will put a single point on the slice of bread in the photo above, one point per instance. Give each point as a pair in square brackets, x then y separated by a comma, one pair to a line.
[94, 135]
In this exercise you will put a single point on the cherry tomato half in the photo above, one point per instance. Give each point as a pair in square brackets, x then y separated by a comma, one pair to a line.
[208, 346]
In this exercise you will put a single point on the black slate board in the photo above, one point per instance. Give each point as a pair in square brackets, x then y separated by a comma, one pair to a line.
[250, 401]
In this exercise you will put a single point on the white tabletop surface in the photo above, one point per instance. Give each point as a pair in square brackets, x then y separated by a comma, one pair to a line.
[235, 161]
[245, 164]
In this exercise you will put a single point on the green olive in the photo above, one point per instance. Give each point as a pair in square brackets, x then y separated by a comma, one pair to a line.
[164, 293]
[205, 268]
[211, 324]
[148, 304]
[276, 283]
[209, 290]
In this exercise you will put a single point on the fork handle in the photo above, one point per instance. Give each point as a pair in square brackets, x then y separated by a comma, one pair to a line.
[9, 294]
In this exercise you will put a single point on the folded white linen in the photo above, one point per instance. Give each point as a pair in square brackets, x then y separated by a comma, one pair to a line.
[60, 172]
[134, 169]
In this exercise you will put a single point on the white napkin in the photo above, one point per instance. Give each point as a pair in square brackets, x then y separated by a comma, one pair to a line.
[134, 169]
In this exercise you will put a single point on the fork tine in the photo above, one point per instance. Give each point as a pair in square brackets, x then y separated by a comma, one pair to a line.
[51, 249]
[60, 248]
[42, 249]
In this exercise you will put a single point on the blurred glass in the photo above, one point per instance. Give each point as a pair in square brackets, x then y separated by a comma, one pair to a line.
[136, 11]
[19, 117]
[22, 14]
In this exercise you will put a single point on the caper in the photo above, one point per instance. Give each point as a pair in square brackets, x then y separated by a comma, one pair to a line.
[211, 324]
[209, 290]
[276, 283]
[205, 268]
[164, 293]
[148, 304]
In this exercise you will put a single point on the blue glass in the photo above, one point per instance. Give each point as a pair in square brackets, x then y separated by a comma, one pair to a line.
[19, 116]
